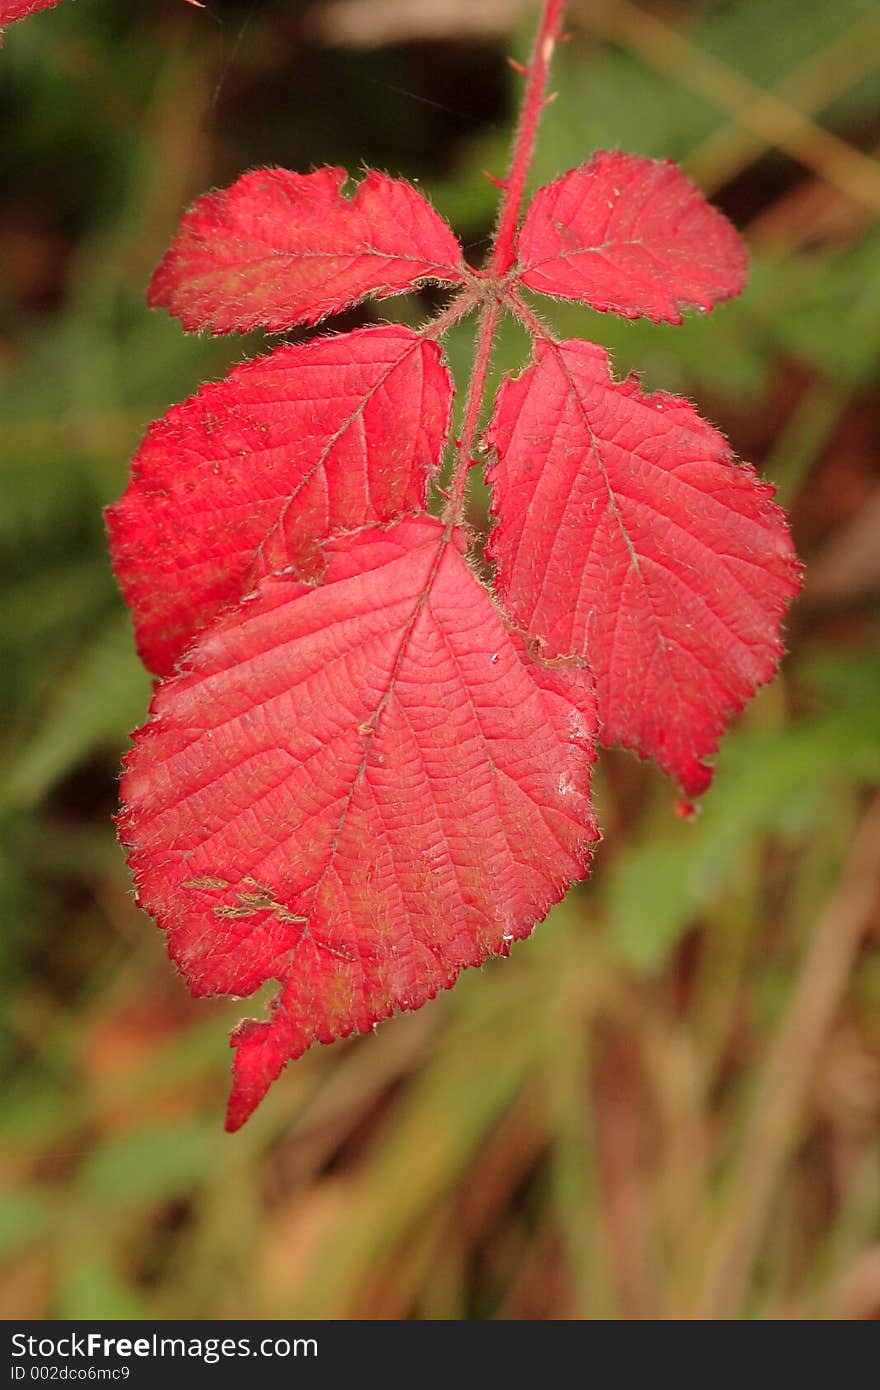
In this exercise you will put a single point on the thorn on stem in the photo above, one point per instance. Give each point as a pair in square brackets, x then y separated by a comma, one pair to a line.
[517, 66]
[499, 183]
[549, 100]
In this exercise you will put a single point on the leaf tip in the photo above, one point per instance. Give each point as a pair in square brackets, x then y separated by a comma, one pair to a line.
[259, 1060]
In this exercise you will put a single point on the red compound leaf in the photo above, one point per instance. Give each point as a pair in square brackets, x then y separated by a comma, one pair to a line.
[10, 10]
[279, 248]
[358, 790]
[245, 477]
[628, 534]
[632, 236]
[363, 777]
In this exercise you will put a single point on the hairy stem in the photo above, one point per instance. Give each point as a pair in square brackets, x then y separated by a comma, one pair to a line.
[456, 309]
[535, 326]
[488, 322]
[523, 146]
[502, 255]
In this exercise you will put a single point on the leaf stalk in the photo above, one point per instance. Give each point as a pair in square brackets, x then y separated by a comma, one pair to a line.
[501, 258]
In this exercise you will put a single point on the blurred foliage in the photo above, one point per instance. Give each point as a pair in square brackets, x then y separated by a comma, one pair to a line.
[664, 1104]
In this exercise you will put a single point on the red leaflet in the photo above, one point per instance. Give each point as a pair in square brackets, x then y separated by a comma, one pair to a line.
[358, 790]
[626, 533]
[20, 9]
[279, 248]
[632, 236]
[247, 476]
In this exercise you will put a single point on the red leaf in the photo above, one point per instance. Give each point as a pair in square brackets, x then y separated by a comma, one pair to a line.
[358, 790]
[632, 236]
[11, 10]
[245, 477]
[626, 533]
[279, 248]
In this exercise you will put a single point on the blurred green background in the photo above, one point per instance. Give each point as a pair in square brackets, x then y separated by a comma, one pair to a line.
[666, 1103]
